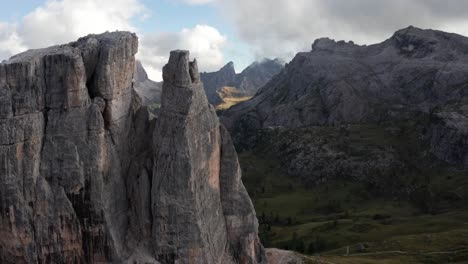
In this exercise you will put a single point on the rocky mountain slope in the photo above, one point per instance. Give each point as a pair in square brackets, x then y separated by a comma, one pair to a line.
[87, 177]
[212, 81]
[247, 82]
[362, 149]
[148, 90]
[416, 74]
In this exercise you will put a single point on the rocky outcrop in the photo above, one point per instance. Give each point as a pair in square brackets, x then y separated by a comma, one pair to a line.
[200, 207]
[339, 83]
[67, 112]
[320, 154]
[449, 138]
[148, 90]
[87, 177]
[246, 83]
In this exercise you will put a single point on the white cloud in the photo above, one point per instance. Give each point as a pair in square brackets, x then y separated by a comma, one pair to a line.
[269, 28]
[64, 21]
[204, 43]
[284, 27]
[58, 22]
[10, 42]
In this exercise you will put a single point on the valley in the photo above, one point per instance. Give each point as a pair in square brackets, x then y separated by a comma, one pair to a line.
[357, 154]
[343, 217]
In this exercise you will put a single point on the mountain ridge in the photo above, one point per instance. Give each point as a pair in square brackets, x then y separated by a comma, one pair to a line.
[246, 82]
[343, 83]
[361, 149]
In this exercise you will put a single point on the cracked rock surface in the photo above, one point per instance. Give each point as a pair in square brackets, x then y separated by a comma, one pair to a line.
[86, 176]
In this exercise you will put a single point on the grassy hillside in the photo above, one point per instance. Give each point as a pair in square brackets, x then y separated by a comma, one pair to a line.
[229, 102]
[230, 96]
[346, 217]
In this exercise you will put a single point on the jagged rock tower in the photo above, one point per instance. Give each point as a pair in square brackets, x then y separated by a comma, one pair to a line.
[86, 176]
[200, 206]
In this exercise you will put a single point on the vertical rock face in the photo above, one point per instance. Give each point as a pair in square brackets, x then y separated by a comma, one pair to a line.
[81, 180]
[196, 186]
[67, 113]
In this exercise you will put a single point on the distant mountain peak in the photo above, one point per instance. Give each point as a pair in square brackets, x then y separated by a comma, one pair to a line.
[229, 67]
[343, 83]
[247, 82]
[140, 73]
[229, 64]
[331, 44]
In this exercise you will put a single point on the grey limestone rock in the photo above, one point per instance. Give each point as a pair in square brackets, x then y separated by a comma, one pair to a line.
[200, 207]
[86, 176]
[449, 138]
[66, 120]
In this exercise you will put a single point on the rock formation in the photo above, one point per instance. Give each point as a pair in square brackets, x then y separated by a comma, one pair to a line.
[87, 177]
[449, 137]
[200, 207]
[415, 72]
[247, 82]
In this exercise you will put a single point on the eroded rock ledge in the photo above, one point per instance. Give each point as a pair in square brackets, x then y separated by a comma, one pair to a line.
[87, 177]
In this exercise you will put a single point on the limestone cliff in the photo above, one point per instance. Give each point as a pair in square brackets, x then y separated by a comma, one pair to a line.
[87, 177]
[200, 207]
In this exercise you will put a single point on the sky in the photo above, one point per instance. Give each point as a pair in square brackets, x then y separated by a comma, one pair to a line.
[219, 31]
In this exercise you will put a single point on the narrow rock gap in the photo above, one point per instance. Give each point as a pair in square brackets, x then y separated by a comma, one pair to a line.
[90, 86]
[92, 91]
